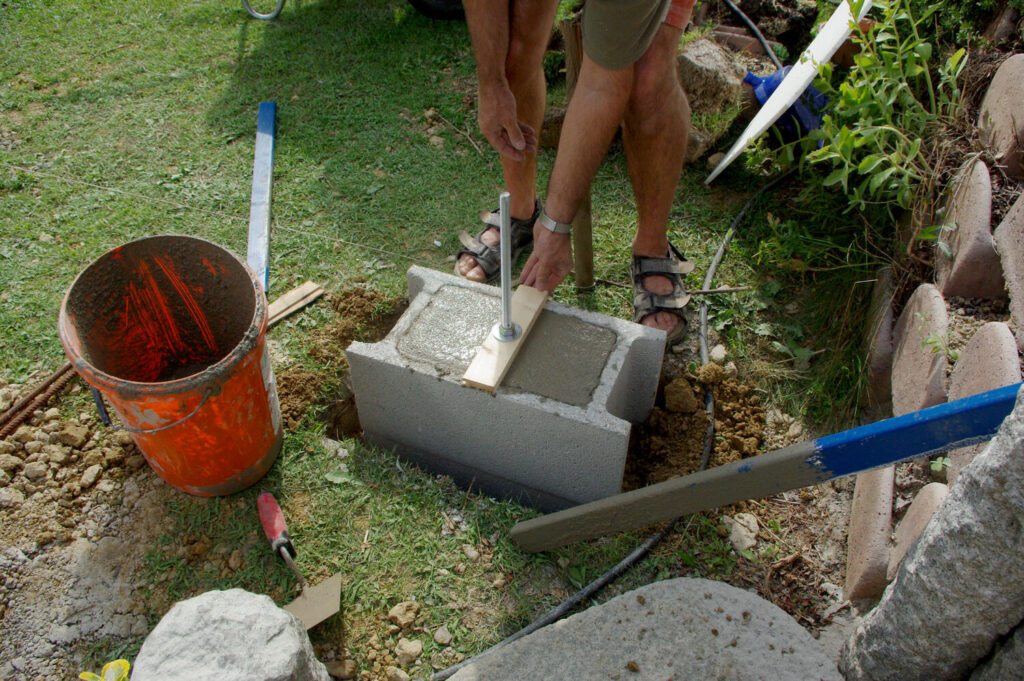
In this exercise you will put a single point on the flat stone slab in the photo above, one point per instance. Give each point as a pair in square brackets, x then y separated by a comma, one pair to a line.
[1009, 239]
[1001, 119]
[989, 361]
[921, 510]
[557, 431]
[867, 553]
[675, 630]
[971, 268]
[879, 341]
[919, 361]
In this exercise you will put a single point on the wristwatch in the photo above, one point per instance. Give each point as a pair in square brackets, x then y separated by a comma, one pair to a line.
[552, 225]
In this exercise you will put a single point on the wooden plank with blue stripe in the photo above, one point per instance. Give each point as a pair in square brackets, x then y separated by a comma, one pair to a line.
[930, 431]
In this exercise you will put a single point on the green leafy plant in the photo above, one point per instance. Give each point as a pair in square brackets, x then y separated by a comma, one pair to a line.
[112, 671]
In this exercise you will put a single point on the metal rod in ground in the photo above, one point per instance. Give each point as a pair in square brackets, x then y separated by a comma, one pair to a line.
[38, 402]
[20, 404]
[504, 207]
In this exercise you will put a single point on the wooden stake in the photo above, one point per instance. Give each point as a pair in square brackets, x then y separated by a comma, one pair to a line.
[494, 357]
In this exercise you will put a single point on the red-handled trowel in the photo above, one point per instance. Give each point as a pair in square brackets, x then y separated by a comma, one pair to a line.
[316, 603]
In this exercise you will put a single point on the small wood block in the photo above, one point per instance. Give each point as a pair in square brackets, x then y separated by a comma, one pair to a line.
[494, 357]
[294, 300]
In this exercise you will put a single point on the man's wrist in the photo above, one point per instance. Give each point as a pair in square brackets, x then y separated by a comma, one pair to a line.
[552, 225]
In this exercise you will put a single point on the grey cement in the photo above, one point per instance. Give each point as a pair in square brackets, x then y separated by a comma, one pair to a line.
[676, 630]
[557, 431]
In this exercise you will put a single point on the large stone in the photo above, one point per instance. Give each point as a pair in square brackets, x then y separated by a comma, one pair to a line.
[879, 341]
[989, 361]
[1010, 245]
[229, 635]
[679, 629]
[867, 553]
[74, 435]
[919, 360]
[958, 590]
[711, 76]
[1000, 118]
[1007, 661]
[921, 510]
[966, 262]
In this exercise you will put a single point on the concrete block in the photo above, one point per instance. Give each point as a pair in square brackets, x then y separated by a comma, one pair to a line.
[921, 510]
[1000, 119]
[971, 268]
[557, 432]
[1009, 238]
[878, 341]
[867, 551]
[919, 361]
[989, 361]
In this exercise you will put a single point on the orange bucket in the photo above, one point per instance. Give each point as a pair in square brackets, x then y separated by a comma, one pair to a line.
[172, 332]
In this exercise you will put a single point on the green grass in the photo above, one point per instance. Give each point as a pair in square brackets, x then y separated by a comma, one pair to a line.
[120, 120]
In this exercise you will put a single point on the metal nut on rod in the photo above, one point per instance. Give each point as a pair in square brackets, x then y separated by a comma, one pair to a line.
[506, 330]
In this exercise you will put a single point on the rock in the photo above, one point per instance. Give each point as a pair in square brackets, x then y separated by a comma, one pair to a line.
[1006, 661]
[919, 359]
[7, 447]
[710, 75]
[958, 590]
[89, 477]
[742, 530]
[730, 370]
[715, 159]
[407, 651]
[113, 456]
[925, 503]
[989, 361]
[794, 431]
[679, 397]
[717, 354]
[395, 674]
[11, 497]
[51, 414]
[5, 478]
[248, 637]
[235, 560]
[442, 636]
[707, 629]
[1009, 238]
[135, 462]
[878, 342]
[867, 554]
[404, 614]
[35, 471]
[344, 670]
[93, 458]
[56, 454]
[123, 438]
[23, 434]
[10, 463]
[74, 435]
[999, 119]
[470, 552]
[966, 262]
[33, 447]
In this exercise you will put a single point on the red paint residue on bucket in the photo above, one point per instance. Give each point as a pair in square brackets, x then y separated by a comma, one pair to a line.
[172, 330]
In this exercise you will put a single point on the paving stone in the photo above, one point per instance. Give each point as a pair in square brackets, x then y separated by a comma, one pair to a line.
[1009, 238]
[971, 269]
[918, 373]
[989, 361]
[879, 341]
[1001, 119]
[921, 510]
[867, 553]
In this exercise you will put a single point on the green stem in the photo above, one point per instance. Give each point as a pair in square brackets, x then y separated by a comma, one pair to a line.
[927, 70]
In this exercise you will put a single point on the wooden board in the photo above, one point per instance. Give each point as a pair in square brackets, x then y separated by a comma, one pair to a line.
[494, 357]
[295, 299]
[258, 251]
[947, 426]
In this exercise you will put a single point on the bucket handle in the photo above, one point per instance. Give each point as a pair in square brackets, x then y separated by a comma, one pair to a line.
[145, 431]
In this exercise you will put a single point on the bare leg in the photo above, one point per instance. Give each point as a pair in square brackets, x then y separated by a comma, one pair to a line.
[530, 27]
[655, 132]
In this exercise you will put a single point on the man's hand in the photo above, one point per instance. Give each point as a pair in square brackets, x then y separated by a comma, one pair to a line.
[550, 261]
[501, 125]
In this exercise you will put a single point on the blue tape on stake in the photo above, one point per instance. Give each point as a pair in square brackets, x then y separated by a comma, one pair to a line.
[258, 253]
[936, 429]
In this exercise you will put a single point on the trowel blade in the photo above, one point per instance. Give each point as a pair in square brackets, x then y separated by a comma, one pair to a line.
[317, 603]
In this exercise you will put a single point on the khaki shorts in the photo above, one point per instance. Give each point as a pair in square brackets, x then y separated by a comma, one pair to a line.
[617, 32]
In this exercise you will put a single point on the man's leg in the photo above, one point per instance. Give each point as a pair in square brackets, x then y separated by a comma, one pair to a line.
[655, 132]
[530, 26]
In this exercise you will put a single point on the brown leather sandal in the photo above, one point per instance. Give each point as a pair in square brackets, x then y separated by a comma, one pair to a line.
[674, 267]
[488, 258]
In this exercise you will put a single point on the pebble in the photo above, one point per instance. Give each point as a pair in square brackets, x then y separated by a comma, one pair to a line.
[235, 560]
[34, 447]
[395, 674]
[742, 530]
[5, 478]
[717, 354]
[730, 370]
[74, 435]
[7, 447]
[9, 463]
[135, 462]
[123, 438]
[471, 552]
[795, 431]
[404, 614]
[407, 651]
[51, 414]
[442, 636]
[35, 471]
[343, 670]
[23, 434]
[89, 477]
[11, 497]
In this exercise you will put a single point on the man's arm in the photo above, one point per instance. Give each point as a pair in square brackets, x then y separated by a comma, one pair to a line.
[488, 22]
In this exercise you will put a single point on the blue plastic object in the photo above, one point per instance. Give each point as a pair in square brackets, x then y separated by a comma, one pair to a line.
[799, 119]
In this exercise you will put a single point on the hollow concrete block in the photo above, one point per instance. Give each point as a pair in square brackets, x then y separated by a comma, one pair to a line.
[867, 551]
[557, 431]
[967, 265]
[921, 510]
[1000, 120]
[989, 361]
[1009, 238]
[919, 359]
